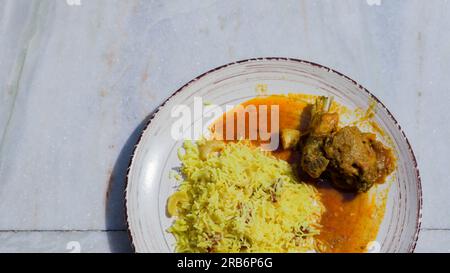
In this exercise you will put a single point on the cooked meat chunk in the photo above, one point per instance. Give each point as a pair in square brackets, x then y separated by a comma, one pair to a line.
[385, 160]
[313, 160]
[354, 160]
[351, 152]
[325, 124]
[357, 159]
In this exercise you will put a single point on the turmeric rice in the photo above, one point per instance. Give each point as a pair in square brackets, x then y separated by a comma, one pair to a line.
[242, 199]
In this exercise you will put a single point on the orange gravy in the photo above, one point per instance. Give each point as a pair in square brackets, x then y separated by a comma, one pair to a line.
[350, 221]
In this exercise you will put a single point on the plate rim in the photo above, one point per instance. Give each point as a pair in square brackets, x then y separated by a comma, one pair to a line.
[412, 246]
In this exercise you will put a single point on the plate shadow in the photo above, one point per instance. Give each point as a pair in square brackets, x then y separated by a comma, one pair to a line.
[116, 223]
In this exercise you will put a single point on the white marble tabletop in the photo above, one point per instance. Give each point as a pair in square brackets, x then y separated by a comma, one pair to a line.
[79, 77]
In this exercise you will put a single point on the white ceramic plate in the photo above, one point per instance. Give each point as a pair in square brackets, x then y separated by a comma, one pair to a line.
[149, 184]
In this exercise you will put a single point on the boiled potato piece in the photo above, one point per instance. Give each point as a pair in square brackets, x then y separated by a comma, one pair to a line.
[289, 138]
[209, 147]
[174, 200]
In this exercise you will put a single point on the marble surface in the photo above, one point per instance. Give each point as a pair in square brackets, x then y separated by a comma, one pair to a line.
[78, 79]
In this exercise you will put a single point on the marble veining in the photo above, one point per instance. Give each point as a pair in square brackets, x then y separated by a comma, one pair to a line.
[79, 78]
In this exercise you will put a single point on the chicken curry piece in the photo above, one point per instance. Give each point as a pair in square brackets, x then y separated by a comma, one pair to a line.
[357, 159]
[352, 159]
[323, 124]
